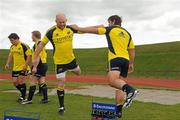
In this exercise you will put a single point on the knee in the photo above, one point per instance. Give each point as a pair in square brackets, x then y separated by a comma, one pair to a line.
[21, 81]
[110, 81]
[61, 82]
[32, 83]
[79, 73]
[32, 80]
[42, 80]
[61, 85]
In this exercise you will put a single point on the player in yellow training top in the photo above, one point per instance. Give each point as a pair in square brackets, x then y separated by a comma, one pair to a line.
[40, 73]
[61, 37]
[120, 56]
[20, 56]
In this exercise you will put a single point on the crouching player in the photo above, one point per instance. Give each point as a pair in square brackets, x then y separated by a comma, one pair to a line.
[40, 74]
[20, 56]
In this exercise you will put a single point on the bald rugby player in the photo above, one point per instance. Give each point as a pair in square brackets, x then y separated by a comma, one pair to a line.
[61, 38]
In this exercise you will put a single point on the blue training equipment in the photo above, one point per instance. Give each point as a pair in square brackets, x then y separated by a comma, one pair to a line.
[8, 115]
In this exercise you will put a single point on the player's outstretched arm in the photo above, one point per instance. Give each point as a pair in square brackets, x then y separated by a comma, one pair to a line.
[131, 61]
[8, 62]
[90, 29]
[36, 54]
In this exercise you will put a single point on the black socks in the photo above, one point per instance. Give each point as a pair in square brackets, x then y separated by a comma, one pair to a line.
[22, 89]
[40, 89]
[32, 90]
[44, 91]
[18, 88]
[127, 88]
[60, 94]
[119, 108]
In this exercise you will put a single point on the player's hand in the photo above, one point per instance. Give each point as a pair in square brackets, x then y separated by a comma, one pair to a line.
[131, 68]
[34, 70]
[7, 67]
[74, 26]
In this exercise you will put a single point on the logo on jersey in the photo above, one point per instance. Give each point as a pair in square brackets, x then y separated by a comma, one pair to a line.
[121, 34]
[68, 32]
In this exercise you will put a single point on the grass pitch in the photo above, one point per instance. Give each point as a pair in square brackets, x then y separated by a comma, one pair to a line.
[79, 107]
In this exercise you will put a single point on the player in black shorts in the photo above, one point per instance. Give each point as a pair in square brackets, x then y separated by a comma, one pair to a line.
[61, 38]
[40, 74]
[121, 55]
[120, 64]
[63, 68]
[20, 56]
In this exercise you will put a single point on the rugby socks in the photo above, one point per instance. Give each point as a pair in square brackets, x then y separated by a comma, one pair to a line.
[119, 108]
[40, 89]
[32, 90]
[60, 94]
[18, 88]
[44, 91]
[127, 88]
[23, 90]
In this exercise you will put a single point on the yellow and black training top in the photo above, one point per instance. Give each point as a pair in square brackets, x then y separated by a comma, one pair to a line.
[62, 43]
[43, 53]
[19, 53]
[119, 41]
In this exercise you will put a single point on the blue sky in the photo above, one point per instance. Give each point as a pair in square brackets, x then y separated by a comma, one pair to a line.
[149, 21]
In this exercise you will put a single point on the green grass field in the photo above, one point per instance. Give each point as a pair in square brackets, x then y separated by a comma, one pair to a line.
[158, 60]
[79, 107]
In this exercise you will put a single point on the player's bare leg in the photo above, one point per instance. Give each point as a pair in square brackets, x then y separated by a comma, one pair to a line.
[114, 80]
[15, 81]
[61, 91]
[76, 71]
[118, 83]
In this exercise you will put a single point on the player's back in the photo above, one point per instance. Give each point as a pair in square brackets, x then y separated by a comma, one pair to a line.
[119, 41]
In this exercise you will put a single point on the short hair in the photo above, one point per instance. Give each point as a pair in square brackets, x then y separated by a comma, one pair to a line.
[13, 36]
[37, 34]
[117, 20]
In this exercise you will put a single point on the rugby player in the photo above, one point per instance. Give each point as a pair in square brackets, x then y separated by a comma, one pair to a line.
[20, 56]
[40, 74]
[120, 56]
[61, 37]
